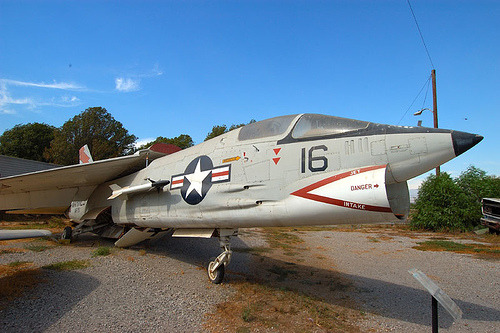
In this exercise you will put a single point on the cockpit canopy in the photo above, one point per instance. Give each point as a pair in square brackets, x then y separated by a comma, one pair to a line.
[266, 128]
[313, 125]
[307, 126]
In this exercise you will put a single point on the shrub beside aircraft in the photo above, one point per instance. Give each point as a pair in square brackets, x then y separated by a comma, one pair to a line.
[306, 169]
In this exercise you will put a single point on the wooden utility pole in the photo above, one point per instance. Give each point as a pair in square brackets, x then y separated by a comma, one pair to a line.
[435, 107]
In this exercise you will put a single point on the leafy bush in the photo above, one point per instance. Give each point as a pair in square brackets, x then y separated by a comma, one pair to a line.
[446, 204]
[476, 182]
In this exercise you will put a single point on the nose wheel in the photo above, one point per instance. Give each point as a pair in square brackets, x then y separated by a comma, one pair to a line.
[216, 266]
[215, 275]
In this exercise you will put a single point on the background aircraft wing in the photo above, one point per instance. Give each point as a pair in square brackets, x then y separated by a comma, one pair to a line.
[51, 191]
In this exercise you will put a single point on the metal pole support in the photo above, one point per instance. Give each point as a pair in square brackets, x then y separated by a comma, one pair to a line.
[435, 321]
[435, 107]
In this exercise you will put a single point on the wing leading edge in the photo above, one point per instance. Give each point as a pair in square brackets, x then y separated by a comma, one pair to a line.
[51, 191]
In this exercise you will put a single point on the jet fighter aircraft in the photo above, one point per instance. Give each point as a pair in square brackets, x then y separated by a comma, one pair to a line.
[305, 169]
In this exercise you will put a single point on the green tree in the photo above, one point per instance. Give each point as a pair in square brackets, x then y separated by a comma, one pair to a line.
[444, 203]
[27, 141]
[182, 141]
[441, 205]
[477, 184]
[216, 131]
[221, 129]
[96, 127]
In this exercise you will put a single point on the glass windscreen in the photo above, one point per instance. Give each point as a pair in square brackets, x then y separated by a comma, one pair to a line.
[311, 125]
[266, 128]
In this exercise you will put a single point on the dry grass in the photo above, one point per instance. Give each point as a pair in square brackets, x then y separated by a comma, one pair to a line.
[388, 231]
[53, 223]
[259, 308]
[252, 250]
[11, 250]
[101, 251]
[479, 250]
[19, 263]
[37, 247]
[288, 295]
[282, 238]
[16, 279]
[285, 295]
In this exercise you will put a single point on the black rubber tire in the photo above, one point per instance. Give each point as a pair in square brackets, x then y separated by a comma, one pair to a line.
[67, 232]
[217, 276]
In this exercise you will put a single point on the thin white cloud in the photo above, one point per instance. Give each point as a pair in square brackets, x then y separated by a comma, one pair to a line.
[156, 70]
[126, 84]
[131, 81]
[6, 99]
[7, 111]
[63, 102]
[54, 85]
[141, 142]
[68, 99]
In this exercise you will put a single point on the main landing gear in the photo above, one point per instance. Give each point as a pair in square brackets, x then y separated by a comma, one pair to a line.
[216, 267]
[67, 233]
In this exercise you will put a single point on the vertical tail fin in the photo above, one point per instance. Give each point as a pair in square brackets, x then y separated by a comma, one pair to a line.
[84, 155]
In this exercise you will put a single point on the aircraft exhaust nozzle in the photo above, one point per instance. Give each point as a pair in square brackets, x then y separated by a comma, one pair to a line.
[463, 141]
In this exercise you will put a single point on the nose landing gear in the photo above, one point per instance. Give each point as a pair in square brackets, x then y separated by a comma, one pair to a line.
[216, 267]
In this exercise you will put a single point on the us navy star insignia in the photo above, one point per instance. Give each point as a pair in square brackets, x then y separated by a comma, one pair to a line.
[198, 178]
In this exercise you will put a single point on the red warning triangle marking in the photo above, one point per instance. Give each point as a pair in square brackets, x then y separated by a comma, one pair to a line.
[276, 150]
[276, 160]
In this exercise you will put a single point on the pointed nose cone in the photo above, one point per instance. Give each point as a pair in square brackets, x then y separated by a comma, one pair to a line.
[463, 141]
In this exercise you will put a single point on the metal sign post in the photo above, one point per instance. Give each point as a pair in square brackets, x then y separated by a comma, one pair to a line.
[438, 295]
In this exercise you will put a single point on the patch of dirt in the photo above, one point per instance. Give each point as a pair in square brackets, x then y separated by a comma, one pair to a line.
[261, 308]
[288, 293]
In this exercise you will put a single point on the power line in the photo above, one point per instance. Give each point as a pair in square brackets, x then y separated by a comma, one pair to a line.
[426, 83]
[420, 32]
[426, 92]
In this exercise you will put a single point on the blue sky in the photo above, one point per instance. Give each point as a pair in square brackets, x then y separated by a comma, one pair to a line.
[173, 67]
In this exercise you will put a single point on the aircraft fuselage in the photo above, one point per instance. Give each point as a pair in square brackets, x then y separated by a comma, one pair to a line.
[291, 170]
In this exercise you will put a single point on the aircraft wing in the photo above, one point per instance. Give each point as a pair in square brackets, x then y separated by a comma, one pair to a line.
[18, 234]
[51, 191]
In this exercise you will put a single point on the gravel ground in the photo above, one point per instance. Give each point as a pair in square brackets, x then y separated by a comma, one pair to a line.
[127, 291]
[394, 300]
[166, 289]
